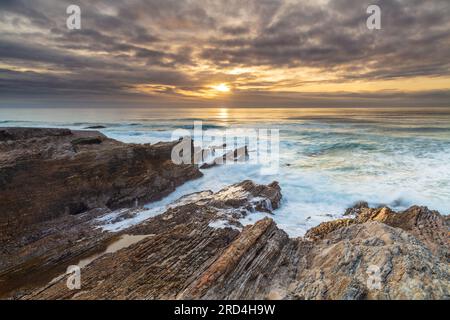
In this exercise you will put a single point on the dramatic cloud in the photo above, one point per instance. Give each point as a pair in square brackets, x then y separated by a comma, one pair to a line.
[269, 52]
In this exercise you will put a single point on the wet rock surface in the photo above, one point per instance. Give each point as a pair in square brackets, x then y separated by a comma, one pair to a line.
[47, 173]
[187, 255]
[236, 155]
[54, 182]
[204, 247]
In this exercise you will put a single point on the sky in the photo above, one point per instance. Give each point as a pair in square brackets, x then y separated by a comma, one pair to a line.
[232, 53]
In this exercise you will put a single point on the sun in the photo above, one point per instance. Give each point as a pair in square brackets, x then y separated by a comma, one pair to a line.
[223, 87]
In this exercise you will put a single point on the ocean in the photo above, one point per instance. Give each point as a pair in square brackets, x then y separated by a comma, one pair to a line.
[330, 158]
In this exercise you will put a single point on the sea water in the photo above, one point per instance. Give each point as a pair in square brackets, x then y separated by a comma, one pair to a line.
[330, 158]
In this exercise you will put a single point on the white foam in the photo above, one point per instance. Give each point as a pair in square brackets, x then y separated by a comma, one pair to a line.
[222, 224]
[393, 166]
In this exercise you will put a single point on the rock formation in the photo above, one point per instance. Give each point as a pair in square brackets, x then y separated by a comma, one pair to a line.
[237, 155]
[54, 182]
[46, 173]
[198, 249]
[205, 245]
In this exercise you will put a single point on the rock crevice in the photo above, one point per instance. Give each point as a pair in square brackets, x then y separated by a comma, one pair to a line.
[45, 173]
[58, 188]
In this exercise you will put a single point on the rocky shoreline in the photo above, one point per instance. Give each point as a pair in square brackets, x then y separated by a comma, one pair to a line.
[57, 187]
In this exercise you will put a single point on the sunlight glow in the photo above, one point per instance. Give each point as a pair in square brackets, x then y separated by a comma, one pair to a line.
[221, 87]
[223, 114]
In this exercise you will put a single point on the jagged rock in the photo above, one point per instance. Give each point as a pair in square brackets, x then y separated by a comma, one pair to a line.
[356, 208]
[325, 228]
[64, 194]
[384, 263]
[46, 173]
[46, 249]
[183, 242]
[202, 154]
[239, 154]
[426, 225]
[187, 255]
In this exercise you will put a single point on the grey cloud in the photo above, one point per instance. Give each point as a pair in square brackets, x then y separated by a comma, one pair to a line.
[127, 43]
[415, 35]
[235, 30]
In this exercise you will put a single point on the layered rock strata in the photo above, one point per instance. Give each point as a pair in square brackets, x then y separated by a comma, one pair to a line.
[60, 190]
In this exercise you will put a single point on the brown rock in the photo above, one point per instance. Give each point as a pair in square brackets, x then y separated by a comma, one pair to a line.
[55, 182]
[239, 154]
[46, 173]
[356, 208]
[228, 260]
[183, 244]
[188, 255]
[62, 186]
[319, 232]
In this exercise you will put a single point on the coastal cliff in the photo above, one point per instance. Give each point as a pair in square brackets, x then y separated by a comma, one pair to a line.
[47, 173]
[205, 245]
